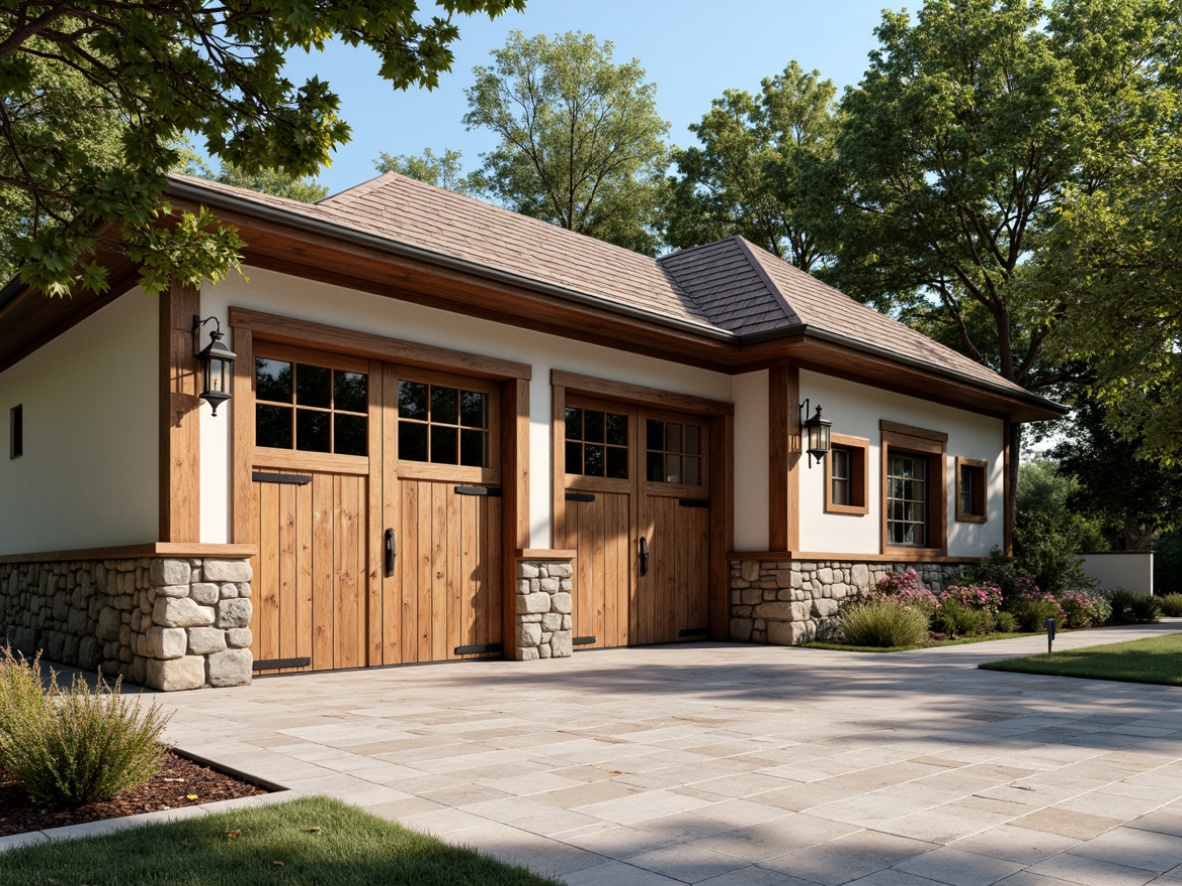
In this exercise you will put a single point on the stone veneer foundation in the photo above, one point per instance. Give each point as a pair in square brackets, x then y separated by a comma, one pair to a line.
[167, 623]
[544, 605]
[785, 602]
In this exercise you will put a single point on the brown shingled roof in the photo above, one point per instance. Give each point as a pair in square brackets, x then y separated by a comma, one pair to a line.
[731, 285]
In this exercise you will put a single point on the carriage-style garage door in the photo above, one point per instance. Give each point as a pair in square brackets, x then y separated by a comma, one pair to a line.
[637, 513]
[377, 512]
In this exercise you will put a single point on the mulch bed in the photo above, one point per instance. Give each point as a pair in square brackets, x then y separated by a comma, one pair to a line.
[179, 782]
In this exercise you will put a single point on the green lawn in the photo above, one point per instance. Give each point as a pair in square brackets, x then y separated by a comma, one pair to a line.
[1155, 660]
[312, 841]
[843, 647]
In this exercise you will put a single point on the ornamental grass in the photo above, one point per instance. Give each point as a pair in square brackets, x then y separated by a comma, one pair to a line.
[68, 747]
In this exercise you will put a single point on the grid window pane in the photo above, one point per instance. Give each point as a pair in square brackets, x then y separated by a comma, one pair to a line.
[655, 435]
[656, 467]
[593, 427]
[412, 441]
[693, 440]
[693, 471]
[574, 457]
[617, 463]
[412, 400]
[272, 426]
[593, 460]
[674, 453]
[272, 380]
[445, 448]
[349, 434]
[574, 425]
[473, 448]
[445, 405]
[617, 429]
[312, 431]
[597, 443]
[473, 409]
[313, 386]
[349, 391]
[907, 511]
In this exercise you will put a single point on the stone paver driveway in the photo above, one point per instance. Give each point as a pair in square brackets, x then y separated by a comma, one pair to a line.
[731, 764]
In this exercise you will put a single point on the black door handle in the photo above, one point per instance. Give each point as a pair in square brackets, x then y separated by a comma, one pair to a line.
[643, 555]
[391, 552]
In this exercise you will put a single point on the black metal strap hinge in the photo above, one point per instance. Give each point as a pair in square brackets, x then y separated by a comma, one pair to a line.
[291, 479]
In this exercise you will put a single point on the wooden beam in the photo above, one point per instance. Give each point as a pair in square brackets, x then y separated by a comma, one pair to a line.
[1008, 490]
[722, 523]
[180, 417]
[515, 495]
[639, 395]
[242, 529]
[783, 458]
[137, 552]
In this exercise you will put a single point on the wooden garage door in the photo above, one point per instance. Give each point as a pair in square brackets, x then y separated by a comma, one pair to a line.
[637, 515]
[441, 481]
[310, 510]
[309, 576]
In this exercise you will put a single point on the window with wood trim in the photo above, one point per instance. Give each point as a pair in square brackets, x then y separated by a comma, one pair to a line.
[310, 407]
[444, 424]
[846, 478]
[914, 488]
[673, 453]
[596, 443]
[971, 490]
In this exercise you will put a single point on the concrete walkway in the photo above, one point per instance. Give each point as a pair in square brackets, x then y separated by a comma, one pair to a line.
[738, 764]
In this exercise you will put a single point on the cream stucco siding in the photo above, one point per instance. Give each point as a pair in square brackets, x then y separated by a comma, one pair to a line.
[88, 476]
[750, 395]
[855, 411]
[308, 300]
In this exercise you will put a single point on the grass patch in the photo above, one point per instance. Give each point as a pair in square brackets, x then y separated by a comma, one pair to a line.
[1153, 660]
[931, 644]
[313, 840]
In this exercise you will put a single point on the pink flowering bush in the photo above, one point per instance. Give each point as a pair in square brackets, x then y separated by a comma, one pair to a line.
[1084, 609]
[986, 597]
[905, 588]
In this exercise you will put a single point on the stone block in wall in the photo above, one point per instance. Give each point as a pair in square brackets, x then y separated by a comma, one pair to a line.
[563, 602]
[539, 602]
[204, 593]
[109, 622]
[234, 613]
[542, 609]
[182, 612]
[206, 641]
[238, 638]
[176, 674]
[227, 570]
[230, 667]
[169, 572]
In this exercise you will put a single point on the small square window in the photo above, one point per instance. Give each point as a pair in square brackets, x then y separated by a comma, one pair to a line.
[16, 431]
[971, 490]
[845, 476]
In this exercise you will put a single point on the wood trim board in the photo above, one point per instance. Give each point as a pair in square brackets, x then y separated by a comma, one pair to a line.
[638, 394]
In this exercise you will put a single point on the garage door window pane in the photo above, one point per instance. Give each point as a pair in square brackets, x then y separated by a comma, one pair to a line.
[272, 380]
[312, 434]
[674, 453]
[313, 386]
[445, 448]
[412, 400]
[445, 406]
[474, 448]
[327, 408]
[349, 435]
[349, 392]
[273, 427]
[597, 443]
[412, 442]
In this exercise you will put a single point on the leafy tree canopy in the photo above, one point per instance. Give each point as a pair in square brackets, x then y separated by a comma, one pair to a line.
[443, 170]
[745, 177]
[1049, 532]
[168, 68]
[581, 142]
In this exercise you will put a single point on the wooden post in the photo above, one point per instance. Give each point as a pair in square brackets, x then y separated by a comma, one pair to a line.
[783, 519]
[180, 417]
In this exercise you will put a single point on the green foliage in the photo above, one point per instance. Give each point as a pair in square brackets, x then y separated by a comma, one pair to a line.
[1131, 498]
[1167, 563]
[882, 623]
[70, 747]
[957, 619]
[154, 72]
[1005, 622]
[1171, 605]
[1031, 614]
[746, 176]
[443, 171]
[1049, 533]
[581, 142]
[305, 189]
[1084, 609]
[1128, 607]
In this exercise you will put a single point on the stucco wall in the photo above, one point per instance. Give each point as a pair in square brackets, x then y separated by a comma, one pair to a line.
[1130, 570]
[308, 300]
[855, 411]
[88, 476]
[750, 396]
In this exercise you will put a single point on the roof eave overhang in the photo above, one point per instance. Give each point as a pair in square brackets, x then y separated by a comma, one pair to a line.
[197, 195]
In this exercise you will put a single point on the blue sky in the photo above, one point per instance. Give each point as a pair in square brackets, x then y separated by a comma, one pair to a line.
[692, 50]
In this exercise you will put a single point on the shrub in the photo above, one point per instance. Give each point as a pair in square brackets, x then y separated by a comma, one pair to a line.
[978, 596]
[77, 745]
[1145, 609]
[905, 587]
[883, 623]
[957, 619]
[1005, 622]
[1084, 609]
[1031, 613]
[1171, 605]
[1121, 602]
[23, 699]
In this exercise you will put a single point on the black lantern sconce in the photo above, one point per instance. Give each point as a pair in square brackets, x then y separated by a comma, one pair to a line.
[814, 432]
[217, 364]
